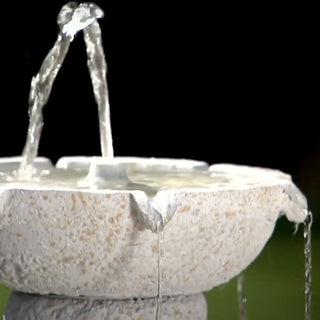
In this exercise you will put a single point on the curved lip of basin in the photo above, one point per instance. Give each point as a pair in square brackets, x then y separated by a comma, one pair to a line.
[94, 169]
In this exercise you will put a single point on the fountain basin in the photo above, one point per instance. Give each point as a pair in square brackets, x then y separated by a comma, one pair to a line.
[77, 234]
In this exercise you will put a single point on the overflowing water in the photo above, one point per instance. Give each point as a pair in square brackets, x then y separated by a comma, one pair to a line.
[242, 297]
[71, 19]
[307, 266]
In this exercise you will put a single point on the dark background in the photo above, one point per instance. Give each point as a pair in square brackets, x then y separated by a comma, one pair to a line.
[217, 83]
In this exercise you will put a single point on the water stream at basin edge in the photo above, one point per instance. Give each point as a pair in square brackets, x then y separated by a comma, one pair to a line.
[159, 266]
[307, 266]
[242, 297]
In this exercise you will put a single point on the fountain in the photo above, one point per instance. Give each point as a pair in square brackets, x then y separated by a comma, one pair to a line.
[123, 236]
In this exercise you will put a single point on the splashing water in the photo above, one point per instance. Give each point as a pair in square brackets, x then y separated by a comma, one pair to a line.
[242, 297]
[307, 265]
[71, 19]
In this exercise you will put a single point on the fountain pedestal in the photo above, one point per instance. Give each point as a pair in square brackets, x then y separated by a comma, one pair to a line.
[30, 307]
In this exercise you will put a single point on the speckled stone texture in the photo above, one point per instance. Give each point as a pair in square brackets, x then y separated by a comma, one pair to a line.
[92, 242]
[33, 307]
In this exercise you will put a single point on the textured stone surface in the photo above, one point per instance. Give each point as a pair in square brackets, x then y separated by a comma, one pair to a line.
[97, 243]
[30, 307]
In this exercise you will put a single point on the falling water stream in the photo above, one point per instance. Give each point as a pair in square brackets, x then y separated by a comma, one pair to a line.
[159, 291]
[41, 86]
[98, 69]
[307, 265]
[242, 298]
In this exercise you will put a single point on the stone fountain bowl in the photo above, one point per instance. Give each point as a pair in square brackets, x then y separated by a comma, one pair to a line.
[183, 230]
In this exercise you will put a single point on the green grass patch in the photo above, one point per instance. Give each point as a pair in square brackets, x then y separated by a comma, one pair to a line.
[274, 284]
[4, 295]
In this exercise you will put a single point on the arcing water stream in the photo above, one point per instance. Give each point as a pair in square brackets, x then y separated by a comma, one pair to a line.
[71, 19]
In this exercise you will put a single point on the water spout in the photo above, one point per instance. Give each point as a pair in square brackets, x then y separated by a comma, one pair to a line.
[71, 19]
